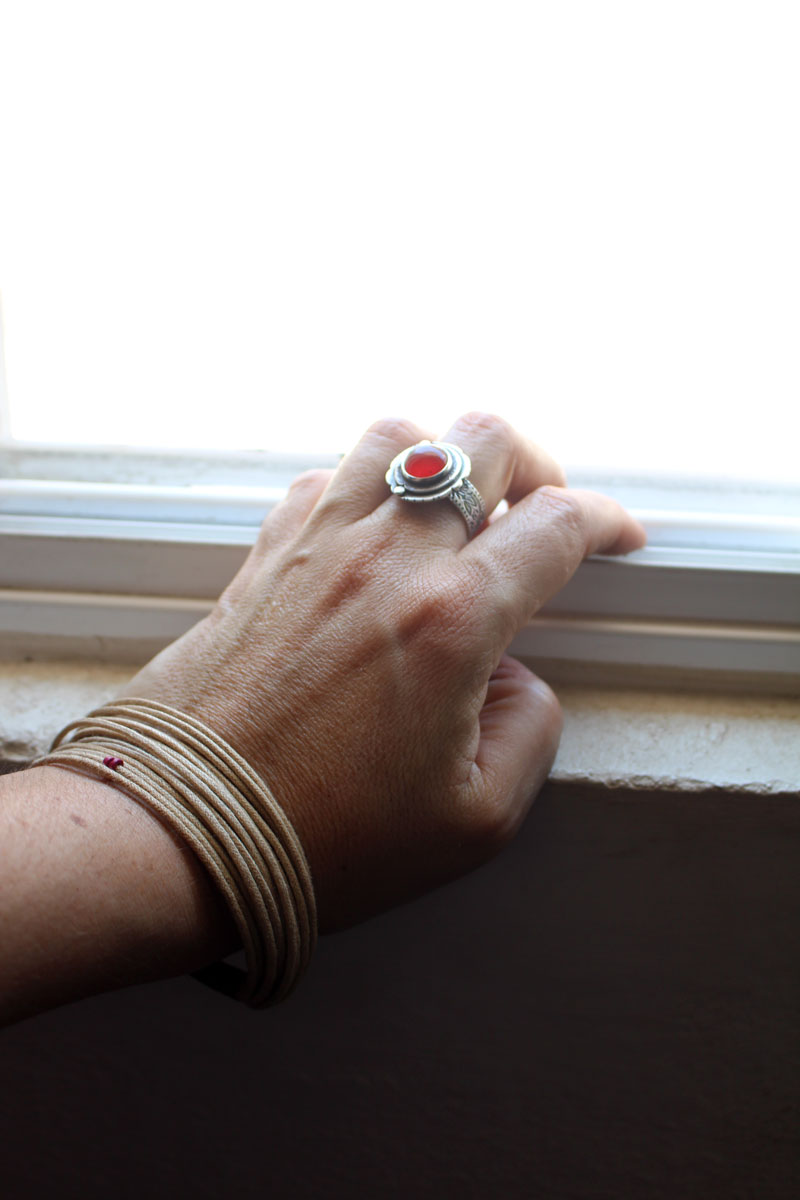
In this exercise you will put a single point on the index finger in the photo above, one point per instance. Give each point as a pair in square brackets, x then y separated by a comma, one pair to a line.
[534, 549]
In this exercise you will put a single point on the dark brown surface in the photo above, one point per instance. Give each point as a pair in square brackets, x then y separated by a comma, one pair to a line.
[6, 768]
[609, 1010]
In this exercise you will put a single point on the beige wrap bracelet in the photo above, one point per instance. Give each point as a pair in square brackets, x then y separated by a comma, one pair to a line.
[209, 795]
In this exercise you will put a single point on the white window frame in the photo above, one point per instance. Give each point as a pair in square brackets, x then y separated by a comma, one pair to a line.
[113, 571]
[5, 423]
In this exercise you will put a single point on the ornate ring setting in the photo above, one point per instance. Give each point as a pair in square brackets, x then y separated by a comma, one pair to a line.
[438, 471]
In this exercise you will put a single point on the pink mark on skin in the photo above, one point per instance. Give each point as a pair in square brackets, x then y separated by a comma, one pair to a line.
[114, 763]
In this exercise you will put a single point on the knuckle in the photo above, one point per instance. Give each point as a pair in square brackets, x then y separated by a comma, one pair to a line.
[312, 480]
[331, 509]
[443, 604]
[353, 570]
[552, 714]
[481, 425]
[562, 506]
[397, 431]
[438, 618]
[480, 577]
[353, 574]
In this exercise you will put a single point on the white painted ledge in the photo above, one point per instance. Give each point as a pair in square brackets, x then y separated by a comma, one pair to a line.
[624, 738]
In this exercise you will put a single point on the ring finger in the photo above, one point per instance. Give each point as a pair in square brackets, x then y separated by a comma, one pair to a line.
[503, 465]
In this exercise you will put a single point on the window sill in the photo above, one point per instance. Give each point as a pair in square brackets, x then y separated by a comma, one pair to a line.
[112, 570]
[613, 738]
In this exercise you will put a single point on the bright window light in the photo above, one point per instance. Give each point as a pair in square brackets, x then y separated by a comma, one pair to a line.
[262, 225]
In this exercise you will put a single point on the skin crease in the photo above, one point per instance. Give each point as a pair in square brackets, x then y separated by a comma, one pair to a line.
[358, 661]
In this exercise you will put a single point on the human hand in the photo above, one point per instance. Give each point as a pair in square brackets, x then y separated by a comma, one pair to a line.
[357, 660]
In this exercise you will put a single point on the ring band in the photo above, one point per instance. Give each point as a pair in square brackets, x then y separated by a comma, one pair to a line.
[438, 471]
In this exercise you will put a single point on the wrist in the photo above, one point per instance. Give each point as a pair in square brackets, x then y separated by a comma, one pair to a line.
[96, 893]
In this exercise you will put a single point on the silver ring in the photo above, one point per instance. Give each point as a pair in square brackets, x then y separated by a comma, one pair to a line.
[438, 471]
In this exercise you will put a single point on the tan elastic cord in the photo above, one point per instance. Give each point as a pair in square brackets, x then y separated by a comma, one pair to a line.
[209, 795]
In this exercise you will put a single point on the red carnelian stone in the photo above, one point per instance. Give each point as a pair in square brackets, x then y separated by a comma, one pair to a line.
[424, 463]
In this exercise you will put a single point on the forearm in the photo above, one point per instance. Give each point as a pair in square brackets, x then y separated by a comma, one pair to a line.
[95, 894]
[358, 663]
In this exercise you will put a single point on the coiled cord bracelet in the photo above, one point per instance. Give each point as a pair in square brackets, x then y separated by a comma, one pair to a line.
[203, 790]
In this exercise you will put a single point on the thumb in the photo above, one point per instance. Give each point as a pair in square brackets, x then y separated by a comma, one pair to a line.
[520, 728]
